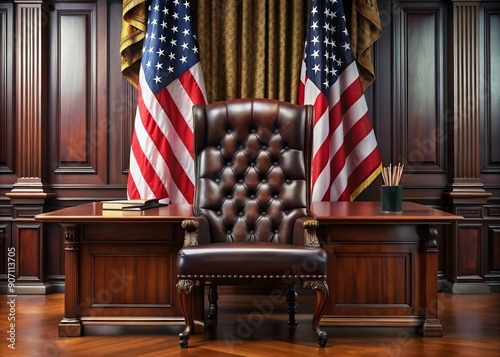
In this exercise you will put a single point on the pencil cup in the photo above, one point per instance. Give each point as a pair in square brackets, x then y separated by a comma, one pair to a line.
[392, 198]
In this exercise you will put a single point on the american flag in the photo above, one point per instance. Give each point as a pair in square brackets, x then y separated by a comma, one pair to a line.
[170, 82]
[346, 156]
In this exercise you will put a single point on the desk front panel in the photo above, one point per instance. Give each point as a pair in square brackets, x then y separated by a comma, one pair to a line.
[128, 270]
[374, 270]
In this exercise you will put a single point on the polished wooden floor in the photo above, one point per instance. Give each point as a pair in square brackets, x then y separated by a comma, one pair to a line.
[471, 326]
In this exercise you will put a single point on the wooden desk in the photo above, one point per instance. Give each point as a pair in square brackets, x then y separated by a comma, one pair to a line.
[382, 267]
[120, 267]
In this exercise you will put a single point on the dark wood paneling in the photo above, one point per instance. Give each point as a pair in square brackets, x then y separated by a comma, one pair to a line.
[442, 248]
[75, 109]
[491, 84]
[494, 75]
[463, 97]
[420, 136]
[78, 82]
[119, 278]
[469, 250]
[132, 278]
[494, 249]
[386, 281]
[30, 62]
[409, 97]
[76, 95]
[423, 91]
[377, 273]
[28, 248]
[6, 114]
[153, 232]
[54, 248]
[5, 243]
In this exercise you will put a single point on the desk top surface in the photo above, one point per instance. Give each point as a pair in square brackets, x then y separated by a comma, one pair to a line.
[93, 212]
[367, 211]
[334, 212]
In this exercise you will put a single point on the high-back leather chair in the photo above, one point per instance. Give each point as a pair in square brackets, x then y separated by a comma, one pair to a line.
[253, 189]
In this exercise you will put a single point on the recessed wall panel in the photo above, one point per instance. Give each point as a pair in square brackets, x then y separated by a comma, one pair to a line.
[419, 134]
[492, 83]
[77, 87]
[421, 116]
[73, 82]
[6, 119]
[494, 248]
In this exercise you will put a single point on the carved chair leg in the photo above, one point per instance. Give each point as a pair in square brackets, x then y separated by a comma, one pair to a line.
[187, 290]
[321, 289]
[291, 299]
[213, 296]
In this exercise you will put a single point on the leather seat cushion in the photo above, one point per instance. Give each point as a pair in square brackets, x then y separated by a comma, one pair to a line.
[251, 260]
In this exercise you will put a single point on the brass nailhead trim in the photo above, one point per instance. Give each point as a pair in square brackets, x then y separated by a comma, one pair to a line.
[213, 276]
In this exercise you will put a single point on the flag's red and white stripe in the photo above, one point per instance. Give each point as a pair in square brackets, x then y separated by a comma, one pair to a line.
[170, 83]
[346, 157]
[161, 158]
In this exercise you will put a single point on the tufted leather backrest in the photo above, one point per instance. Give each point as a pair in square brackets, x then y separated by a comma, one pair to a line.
[252, 168]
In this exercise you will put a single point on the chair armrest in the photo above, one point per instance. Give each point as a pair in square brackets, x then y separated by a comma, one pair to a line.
[196, 231]
[311, 238]
[304, 232]
[190, 232]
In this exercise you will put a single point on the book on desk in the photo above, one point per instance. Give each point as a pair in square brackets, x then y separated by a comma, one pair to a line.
[134, 204]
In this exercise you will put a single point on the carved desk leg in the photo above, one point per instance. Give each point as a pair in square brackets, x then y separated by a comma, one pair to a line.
[70, 325]
[432, 326]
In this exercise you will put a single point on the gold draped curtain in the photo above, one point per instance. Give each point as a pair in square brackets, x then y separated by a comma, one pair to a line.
[134, 23]
[250, 48]
[365, 30]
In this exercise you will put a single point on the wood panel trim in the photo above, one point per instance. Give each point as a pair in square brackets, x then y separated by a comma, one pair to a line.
[465, 90]
[30, 79]
[6, 87]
